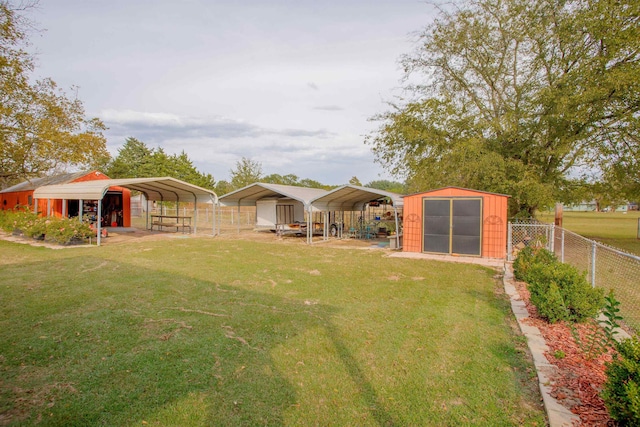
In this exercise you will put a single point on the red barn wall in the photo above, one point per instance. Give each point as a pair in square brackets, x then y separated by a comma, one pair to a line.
[494, 219]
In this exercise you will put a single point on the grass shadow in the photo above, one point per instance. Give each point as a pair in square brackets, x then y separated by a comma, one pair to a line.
[95, 350]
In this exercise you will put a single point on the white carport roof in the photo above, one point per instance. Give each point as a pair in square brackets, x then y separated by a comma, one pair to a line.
[353, 198]
[163, 189]
[247, 196]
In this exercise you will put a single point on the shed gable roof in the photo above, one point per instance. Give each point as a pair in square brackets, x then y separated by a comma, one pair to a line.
[32, 184]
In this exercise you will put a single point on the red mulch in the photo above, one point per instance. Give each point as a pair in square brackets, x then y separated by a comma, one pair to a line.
[579, 379]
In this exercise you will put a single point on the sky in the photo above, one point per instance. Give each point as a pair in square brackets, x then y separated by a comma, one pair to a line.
[289, 84]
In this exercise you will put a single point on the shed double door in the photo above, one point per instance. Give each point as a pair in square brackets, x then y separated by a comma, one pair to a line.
[452, 225]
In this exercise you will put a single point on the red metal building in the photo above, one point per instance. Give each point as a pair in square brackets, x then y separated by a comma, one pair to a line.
[456, 221]
[116, 204]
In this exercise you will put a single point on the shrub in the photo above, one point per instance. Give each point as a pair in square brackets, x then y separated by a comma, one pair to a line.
[16, 219]
[522, 263]
[561, 292]
[58, 230]
[35, 227]
[528, 257]
[550, 305]
[621, 393]
[64, 231]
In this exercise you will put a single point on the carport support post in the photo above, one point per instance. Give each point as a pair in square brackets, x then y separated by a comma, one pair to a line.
[146, 213]
[195, 217]
[64, 208]
[325, 228]
[99, 220]
[309, 233]
[238, 218]
[80, 206]
[395, 214]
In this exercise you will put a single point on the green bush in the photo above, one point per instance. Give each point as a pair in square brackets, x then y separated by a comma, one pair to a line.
[522, 263]
[58, 230]
[559, 291]
[575, 299]
[528, 257]
[621, 393]
[551, 306]
[65, 231]
[20, 219]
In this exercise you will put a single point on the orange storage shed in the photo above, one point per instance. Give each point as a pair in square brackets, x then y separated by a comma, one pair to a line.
[116, 204]
[456, 221]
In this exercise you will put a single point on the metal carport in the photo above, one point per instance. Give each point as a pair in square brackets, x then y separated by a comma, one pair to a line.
[355, 198]
[249, 195]
[157, 189]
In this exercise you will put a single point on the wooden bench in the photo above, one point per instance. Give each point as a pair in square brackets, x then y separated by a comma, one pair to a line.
[162, 221]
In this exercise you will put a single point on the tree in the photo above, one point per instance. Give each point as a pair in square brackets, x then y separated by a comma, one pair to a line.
[223, 187]
[246, 172]
[386, 185]
[275, 178]
[133, 161]
[515, 96]
[41, 130]
[355, 181]
[311, 183]
[136, 160]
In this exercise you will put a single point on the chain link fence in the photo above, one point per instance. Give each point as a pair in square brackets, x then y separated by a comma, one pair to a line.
[606, 267]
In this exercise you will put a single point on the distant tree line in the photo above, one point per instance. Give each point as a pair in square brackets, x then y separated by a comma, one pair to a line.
[136, 160]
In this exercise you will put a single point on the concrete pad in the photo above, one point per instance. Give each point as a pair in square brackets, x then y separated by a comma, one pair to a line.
[487, 262]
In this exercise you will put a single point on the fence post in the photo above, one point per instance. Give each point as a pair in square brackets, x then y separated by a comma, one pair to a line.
[593, 264]
[552, 239]
[509, 241]
[561, 244]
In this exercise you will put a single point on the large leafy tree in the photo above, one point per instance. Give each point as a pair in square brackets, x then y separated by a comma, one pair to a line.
[517, 97]
[42, 130]
[136, 160]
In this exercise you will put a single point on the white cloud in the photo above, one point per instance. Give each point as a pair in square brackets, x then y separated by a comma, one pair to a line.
[290, 84]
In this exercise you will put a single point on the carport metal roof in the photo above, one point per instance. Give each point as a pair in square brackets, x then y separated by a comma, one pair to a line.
[249, 195]
[162, 189]
[353, 198]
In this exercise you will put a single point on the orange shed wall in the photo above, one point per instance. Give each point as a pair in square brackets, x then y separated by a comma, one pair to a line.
[91, 176]
[15, 198]
[494, 220]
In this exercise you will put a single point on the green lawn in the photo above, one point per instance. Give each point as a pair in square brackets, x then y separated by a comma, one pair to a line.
[204, 331]
[615, 229]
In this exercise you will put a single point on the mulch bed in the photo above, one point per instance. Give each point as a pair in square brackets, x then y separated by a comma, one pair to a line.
[580, 374]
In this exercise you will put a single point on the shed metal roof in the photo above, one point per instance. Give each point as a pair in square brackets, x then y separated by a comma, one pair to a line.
[247, 196]
[453, 188]
[164, 188]
[353, 198]
[34, 183]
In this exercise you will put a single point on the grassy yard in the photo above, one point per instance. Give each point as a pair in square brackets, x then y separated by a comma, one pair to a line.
[616, 229]
[204, 331]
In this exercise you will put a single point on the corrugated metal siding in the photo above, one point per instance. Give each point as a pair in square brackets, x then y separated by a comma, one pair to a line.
[494, 220]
